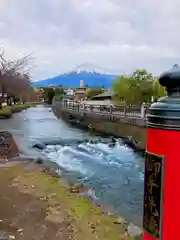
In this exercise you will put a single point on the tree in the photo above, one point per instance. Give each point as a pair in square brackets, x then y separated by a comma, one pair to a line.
[14, 78]
[142, 83]
[19, 87]
[48, 95]
[128, 90]
[141, 75]
[158, 90]
[176, 65]
[122, 88]
[137, 88]
[58, 93]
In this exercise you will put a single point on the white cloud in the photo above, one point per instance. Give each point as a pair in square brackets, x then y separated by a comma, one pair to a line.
[115, 34]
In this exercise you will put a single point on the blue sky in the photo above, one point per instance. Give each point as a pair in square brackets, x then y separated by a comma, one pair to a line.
[119, 35]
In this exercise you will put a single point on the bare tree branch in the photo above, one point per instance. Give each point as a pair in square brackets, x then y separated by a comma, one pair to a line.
[14, 75]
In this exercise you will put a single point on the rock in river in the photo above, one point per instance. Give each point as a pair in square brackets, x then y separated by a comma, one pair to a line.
[39, 146]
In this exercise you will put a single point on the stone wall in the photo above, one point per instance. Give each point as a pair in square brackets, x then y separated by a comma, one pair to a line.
[125, 128]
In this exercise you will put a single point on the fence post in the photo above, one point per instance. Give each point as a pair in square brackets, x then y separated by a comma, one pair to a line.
[143, 110]
[125, 111]
[110, 109]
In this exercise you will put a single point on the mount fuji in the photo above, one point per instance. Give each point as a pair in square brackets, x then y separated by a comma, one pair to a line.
[90, 74]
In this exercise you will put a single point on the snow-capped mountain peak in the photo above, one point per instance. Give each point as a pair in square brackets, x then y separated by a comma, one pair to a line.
[89, 68]
[91, 75]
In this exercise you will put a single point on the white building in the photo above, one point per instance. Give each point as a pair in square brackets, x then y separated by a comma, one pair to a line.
[69, 92]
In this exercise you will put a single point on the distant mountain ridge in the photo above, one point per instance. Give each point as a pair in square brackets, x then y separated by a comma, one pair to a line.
[90, 74]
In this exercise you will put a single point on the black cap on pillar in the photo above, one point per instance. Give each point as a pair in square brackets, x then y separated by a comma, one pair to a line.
[165, 114]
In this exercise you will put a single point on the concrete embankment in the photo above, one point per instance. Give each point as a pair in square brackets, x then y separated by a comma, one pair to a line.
[132, 130]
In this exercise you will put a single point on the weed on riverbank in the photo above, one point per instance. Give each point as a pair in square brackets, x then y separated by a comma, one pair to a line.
[35, 205]
[7, 111]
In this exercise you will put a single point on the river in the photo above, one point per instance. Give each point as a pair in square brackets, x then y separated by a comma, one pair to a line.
[114, 174]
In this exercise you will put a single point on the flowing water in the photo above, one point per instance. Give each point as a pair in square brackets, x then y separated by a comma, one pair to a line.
[114, 174]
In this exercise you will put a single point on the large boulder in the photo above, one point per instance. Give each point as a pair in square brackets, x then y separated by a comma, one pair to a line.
[8, 146]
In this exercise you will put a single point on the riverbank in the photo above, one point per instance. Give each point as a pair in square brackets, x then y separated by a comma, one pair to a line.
[58, 212]
[7, 111]
[112, 176]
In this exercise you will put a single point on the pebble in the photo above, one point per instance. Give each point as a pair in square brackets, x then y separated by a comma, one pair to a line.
[3, 235]
[120, 221]
[20, 231]
[133, 230]
[12, 237]
[110, 214]
[43, 198]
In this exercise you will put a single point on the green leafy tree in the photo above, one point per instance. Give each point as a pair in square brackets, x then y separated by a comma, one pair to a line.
[121, 88]
[59, 91]
[158, 90]
[137, 88]
[48, 95]
[176, 65]
[142, 75]
[143, 86]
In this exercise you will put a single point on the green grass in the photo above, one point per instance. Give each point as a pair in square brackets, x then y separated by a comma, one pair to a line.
[138, 238]
[84, 216]
[7, 111]
[19, 107]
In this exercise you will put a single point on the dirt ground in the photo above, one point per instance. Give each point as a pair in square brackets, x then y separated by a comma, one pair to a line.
[35, 206]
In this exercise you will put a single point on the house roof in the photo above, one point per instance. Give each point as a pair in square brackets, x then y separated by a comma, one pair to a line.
[108, 93]
[80, 90]
[67, 97]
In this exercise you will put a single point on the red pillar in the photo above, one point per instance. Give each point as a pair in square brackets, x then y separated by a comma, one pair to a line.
[161, 218]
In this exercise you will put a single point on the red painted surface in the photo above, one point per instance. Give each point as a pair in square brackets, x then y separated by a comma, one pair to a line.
[167, 143]
[146, 236]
